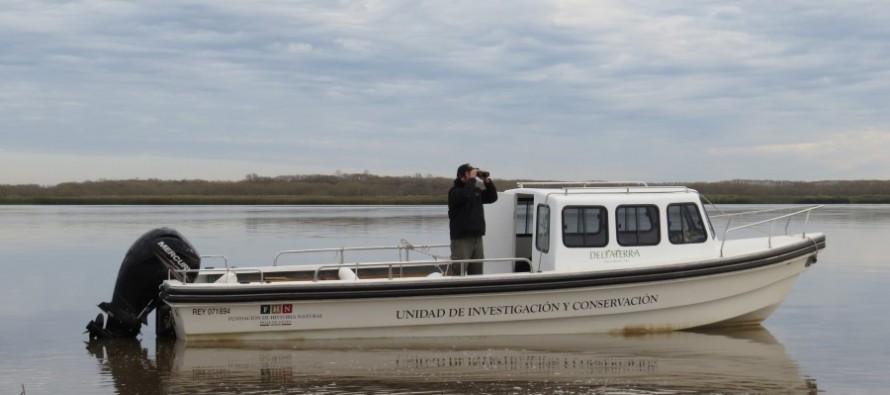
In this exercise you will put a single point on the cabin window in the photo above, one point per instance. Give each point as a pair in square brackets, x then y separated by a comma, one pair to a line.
[524, 218]
[637, 225]
[685, 224]
[542, 239]
[584, 227]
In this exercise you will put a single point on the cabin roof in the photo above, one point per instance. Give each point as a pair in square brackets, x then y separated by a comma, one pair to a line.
[602, 190]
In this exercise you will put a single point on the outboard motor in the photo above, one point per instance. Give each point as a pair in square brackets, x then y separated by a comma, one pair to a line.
[157, 255]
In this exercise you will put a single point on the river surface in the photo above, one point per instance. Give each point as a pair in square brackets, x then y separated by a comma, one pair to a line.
[58, 262]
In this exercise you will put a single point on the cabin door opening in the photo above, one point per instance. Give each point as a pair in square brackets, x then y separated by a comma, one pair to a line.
[509, 224]
[525, 221]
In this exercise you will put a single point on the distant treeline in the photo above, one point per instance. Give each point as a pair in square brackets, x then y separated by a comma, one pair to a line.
[799, 192]
[367, 188]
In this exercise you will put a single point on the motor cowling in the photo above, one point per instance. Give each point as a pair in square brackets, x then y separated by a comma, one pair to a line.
[157, 255]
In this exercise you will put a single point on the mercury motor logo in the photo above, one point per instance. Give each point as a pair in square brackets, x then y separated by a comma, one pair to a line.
[172, 254]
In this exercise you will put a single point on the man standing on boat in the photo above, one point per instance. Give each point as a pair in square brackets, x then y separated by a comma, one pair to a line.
[467, 217]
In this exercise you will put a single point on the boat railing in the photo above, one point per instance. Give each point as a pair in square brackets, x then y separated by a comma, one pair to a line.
[391, 266]
[796, 212]
[340, 252]
[209, 270]
[223, 257]
[602, 187]
[582, 184]
[402, 264]
[181, 275]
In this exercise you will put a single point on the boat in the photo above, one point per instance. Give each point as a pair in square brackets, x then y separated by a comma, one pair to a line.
[561, 258]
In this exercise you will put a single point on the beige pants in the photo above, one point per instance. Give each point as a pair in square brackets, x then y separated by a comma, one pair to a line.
[467, 248]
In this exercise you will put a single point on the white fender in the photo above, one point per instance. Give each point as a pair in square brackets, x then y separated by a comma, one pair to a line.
[347, 274]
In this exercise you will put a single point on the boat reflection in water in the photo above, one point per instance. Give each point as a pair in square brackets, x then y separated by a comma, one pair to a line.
[746, 361]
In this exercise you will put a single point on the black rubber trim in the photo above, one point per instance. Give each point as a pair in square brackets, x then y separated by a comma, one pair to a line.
[483, 285]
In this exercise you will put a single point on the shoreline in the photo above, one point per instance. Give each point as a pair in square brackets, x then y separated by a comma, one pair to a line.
[303, 200]
[368, 189]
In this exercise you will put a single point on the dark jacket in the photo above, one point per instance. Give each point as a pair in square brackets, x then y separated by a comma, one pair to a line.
[465, 214]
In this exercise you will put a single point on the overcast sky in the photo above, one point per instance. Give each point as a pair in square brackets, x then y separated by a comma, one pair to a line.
[559, 89]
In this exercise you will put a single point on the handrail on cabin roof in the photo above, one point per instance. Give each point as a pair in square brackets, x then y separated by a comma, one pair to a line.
[523, 184]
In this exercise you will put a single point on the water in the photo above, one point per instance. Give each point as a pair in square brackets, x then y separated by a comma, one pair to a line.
[59, 262]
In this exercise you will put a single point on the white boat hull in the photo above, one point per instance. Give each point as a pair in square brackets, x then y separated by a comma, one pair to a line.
[740, 297]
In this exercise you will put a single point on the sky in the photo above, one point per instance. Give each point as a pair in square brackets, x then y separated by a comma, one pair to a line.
[569, 90]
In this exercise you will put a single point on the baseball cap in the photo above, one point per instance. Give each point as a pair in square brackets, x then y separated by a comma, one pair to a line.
[463, 169]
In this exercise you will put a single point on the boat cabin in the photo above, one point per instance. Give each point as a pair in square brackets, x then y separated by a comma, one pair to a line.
[582, 226]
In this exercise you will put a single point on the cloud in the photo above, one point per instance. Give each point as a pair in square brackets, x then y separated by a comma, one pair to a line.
[581, 89]
[855, 152]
